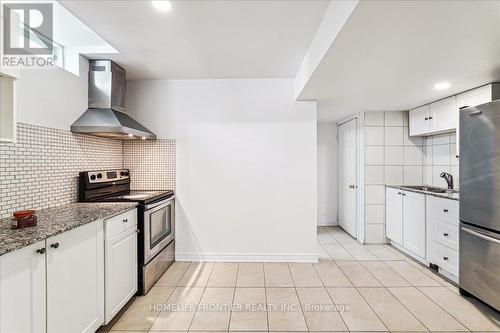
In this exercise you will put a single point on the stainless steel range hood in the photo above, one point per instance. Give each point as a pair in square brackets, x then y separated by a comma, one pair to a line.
[106, 113]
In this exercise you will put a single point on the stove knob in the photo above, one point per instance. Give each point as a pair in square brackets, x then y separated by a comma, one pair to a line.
[126, 173]
[92, 177]
[99, 175]
[122, 173]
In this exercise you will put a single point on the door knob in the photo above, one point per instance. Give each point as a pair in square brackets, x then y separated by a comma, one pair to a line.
[54, 246]
[351, 186]
[41, 251]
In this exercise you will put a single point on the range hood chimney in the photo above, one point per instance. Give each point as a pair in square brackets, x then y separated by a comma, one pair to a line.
[106, 113]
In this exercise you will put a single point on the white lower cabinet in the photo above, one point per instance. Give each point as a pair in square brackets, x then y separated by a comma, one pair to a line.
[424, 227]
[394, 215]
[22, 290]
[443, 235]
[75, 280]
[58, 285]
[120, 271]
[414, 222]
[405, 221]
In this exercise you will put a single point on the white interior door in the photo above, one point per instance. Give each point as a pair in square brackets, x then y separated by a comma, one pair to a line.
[347, 133]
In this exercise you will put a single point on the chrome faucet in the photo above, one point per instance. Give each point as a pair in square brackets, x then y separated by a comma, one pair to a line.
[449, 179]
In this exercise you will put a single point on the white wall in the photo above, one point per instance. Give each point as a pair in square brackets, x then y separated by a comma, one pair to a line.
[52, 97]
[327, 173]
[246, 165]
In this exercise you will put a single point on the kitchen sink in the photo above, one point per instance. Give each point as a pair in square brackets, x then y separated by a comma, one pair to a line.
[430, 189]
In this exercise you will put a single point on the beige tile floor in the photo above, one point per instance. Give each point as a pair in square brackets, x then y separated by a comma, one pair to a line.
[353, 287]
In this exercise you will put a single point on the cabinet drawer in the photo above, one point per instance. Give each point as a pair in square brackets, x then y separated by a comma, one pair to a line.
[446, 258]
[446, 210]
[447, 234]
[120, 223]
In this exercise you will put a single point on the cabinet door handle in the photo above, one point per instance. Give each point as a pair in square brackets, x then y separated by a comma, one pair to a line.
[445, 210]
[430, 118]
[41, 251]
[399, 193]
[54, 246]
[403, 193]
[445, 234]
[125, 220]
[445, 258]
[426, 118]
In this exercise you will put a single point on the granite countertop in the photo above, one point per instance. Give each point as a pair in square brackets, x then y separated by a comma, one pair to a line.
[53, 221]
[451, 196]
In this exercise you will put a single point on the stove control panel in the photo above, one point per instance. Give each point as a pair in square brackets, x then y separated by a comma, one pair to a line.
[107, 175]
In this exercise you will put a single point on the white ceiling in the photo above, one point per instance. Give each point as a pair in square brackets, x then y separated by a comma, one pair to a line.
[389, 55]
[205, 39]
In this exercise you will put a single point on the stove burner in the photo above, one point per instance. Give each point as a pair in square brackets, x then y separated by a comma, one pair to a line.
[114, 186]
[134, 196]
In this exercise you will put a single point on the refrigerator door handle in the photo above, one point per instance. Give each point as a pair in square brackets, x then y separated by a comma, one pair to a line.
[481, 235]
[475, 113]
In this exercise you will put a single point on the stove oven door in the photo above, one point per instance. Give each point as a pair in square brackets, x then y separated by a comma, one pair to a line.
[159, 227]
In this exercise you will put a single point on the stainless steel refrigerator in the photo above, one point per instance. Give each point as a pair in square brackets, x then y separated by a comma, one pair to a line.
[479, 263]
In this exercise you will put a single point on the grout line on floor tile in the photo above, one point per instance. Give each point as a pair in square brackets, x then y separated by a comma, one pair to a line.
[452, 316]
[203, 293]
[265, 295]
[298, 298]
[159, 312]
[330, 296]
[184, 273]
[382, 286]
[234, 295]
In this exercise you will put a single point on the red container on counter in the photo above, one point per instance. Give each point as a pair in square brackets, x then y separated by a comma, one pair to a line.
[24, 219]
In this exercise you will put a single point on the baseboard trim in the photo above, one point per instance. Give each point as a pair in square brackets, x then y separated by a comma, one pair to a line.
[328, 223]
[306, 258]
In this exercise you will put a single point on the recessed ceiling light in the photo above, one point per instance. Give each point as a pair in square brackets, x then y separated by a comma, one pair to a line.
[162, 5]
[144, 138]
[442, 85]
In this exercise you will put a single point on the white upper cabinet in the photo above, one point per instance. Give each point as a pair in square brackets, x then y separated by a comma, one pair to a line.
[419, 121]
[475, 97]
[443, 115]
[437, 117]
[7, 108]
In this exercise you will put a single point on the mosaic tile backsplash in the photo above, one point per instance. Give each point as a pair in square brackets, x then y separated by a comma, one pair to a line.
[151, 164]
[41, 169]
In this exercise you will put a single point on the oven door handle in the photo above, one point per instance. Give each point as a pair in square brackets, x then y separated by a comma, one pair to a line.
[481, 235]
[159, 203]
